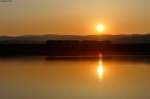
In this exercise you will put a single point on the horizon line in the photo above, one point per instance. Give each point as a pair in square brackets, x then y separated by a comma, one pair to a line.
[73, 34]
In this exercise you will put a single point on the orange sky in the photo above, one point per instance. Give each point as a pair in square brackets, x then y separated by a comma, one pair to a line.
[74, 17]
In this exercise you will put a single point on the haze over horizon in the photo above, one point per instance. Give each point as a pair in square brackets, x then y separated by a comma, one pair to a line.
[74, 17]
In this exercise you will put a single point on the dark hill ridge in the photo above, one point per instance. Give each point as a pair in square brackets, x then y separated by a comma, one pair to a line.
[32, 39]
[68, 45]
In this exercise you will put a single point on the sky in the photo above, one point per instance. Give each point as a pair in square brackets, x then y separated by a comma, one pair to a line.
[74, 17]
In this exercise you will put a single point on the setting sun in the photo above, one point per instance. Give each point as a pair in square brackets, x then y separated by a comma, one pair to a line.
[100, 28]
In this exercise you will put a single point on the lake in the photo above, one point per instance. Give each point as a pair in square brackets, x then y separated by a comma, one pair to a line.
[114, 77]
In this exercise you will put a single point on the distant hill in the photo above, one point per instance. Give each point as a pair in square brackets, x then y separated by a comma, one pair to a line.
[32, 39]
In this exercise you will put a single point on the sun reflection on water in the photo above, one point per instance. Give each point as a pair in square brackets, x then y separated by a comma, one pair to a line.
[100, 69]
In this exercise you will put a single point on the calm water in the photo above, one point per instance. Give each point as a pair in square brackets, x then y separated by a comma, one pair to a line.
[111, 78]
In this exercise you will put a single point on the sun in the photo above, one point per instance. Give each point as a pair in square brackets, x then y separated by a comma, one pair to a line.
[100, 27]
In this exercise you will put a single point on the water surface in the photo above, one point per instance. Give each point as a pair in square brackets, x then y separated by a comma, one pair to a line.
[107, 78]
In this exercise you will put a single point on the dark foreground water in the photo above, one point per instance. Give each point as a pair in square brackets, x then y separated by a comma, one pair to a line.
[107, 78]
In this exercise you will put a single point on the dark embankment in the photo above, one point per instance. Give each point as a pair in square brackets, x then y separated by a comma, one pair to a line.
[74, 48]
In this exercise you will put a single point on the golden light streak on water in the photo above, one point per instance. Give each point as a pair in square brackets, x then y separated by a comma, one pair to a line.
[100, 70]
